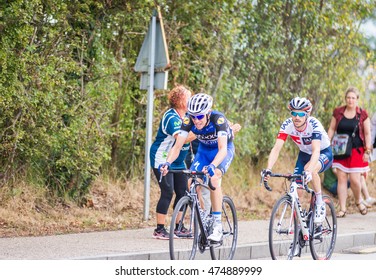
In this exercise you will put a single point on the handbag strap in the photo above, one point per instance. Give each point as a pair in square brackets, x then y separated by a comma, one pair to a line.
[358, 120]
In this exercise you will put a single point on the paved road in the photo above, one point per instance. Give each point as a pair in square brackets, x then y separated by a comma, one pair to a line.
[354, 230]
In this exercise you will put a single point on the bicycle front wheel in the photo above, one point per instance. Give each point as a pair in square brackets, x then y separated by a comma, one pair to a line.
[225, 249]
[283, 230]
[184, 236]
[323, 236]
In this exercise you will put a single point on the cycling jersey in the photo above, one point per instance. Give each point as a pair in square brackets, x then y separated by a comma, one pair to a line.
[208, 141]
[208, 136]
[313, 131]
[168, 128]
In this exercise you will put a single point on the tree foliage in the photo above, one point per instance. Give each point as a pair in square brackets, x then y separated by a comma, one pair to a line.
[71, 106]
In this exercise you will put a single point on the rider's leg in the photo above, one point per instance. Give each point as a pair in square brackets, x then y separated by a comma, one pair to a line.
[216, 201]
[320, 208]
[205, 197]
[324, 163]
[316, 182]
[216, 196]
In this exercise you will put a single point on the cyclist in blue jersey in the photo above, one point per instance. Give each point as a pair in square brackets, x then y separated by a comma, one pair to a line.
[215, 150]
[167, 133]
[315, 155]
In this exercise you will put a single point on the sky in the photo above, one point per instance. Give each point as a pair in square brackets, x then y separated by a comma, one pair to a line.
[369, 28]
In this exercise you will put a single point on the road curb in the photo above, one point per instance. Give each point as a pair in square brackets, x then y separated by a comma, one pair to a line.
[258, 250]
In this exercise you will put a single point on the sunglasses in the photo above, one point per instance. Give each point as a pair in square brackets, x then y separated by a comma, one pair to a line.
[199, 117]
[300, 114]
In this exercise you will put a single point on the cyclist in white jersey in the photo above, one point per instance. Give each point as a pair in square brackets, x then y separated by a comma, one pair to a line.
[315, 154]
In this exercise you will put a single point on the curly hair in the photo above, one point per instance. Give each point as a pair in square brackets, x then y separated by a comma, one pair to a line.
[176, 97]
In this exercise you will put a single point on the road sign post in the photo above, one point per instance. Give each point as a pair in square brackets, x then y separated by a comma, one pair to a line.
[152, 63]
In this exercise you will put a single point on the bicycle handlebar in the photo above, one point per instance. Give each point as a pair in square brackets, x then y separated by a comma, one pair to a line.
[289, 177]
[193, 174]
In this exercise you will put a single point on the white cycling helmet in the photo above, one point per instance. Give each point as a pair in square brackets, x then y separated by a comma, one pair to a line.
[200, 104]
[300, 103]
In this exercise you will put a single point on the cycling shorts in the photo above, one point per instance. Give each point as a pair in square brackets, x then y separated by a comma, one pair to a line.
[205, 155]
[326, 160]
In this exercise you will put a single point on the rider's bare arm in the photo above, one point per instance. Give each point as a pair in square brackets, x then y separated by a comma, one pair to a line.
[222, 151]
[274, 153]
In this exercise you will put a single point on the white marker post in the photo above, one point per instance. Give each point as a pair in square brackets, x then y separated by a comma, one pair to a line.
[152, 62]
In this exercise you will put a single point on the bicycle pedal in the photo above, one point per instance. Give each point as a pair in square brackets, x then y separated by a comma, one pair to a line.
[217, 243]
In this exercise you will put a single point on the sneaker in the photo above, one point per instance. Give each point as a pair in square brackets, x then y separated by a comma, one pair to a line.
[320, 213]
[371, 201]
[161, 234]
[217, 234]
[184, 233]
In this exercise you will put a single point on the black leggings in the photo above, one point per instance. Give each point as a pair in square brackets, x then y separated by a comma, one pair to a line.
[171, 182]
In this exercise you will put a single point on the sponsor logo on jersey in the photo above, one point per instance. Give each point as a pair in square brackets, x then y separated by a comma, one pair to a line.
[186, 120]
[221, 120]
[177, 124]
[222, 133]
[314, 123]
[286, 123]
[316, 135]
[206, 136]
[307, 140]
[196, 165]
[210, 142]
[185, 148]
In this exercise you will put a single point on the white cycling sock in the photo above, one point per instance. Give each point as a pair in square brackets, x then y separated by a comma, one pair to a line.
[318, 198]
[217, 217]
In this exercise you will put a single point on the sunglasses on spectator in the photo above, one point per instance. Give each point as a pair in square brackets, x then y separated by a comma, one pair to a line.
[300, 114]
[199, 117]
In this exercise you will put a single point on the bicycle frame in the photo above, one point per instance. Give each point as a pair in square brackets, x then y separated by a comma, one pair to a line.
[289, 218]
[302, 217]
[293, 193]
[200, 226]
[193, 195]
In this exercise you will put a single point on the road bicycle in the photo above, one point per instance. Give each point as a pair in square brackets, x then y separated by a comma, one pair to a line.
[292, 227]
[194, 226]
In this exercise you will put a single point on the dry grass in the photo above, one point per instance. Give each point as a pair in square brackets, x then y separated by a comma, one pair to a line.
[26, 211]
[115, 205]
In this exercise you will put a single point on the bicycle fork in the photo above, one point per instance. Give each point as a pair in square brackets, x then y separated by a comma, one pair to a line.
[298, 211]
[302, 226]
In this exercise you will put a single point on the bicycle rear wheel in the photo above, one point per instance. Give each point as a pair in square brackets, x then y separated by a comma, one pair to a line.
[225, 249]
[183, 240]
[283, 230]
[323, 236]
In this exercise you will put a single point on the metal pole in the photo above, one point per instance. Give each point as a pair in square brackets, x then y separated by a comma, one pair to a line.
[149, 119]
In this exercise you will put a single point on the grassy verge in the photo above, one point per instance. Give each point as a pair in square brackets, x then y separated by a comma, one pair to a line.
[115, 205]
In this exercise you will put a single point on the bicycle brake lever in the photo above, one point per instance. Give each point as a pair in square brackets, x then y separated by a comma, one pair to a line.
[267, 186]
[211, 185]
